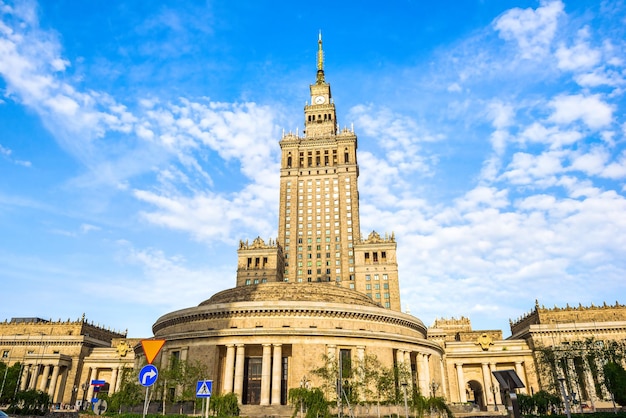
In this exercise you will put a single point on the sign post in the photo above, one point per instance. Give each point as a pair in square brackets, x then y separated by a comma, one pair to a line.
[149, 373]
[203, 390]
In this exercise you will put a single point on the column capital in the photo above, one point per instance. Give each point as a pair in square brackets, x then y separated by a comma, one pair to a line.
[277, 345]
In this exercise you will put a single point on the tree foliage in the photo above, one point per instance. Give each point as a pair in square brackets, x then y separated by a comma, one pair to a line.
[225, 405]
[615, 378]
[434, 405]
[311, 401]
[539, 403]
[129, 395]
[178, 381]
[8, 381]
[30, 402]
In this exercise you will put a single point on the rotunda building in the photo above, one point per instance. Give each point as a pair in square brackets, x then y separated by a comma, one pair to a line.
[261, 340]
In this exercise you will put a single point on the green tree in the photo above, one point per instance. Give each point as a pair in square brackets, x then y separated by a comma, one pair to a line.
[8, 381]
[310, 401]
[30, 402]
[129, 395]
[615, 379]
[433, 405]
[545, 401]
[179, 382]
[225, 405]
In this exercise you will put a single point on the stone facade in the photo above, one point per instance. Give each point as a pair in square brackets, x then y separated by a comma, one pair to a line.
[62, 357]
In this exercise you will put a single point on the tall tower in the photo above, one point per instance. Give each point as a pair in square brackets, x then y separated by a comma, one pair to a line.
[319, 236]
[319, 198]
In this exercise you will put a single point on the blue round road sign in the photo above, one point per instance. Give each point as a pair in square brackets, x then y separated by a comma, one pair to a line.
[148, 375]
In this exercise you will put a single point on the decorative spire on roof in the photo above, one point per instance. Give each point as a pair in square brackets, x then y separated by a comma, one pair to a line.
[320, 61]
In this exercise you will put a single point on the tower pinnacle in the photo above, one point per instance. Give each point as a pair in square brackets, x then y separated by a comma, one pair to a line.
[320, 61]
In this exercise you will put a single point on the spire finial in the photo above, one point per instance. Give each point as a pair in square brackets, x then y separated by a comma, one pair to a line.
[320, 60]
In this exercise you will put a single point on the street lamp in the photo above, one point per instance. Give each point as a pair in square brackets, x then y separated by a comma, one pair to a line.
[304, 384]
[434, 386]
[84, 387]
[406, 405]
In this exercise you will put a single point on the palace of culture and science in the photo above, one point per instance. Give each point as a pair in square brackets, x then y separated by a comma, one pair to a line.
[320, 294]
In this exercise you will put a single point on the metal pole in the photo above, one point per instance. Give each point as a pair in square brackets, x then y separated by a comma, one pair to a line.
[145, 403]
[406, 405]
[6, 370]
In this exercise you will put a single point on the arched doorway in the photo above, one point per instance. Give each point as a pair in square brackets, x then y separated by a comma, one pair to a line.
[475, 394]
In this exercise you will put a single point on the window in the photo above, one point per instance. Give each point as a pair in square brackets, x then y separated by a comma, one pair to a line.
[5, 354]
[247, 281]
[345, 359]
[175, 357]
[368, 277]
[368, 286]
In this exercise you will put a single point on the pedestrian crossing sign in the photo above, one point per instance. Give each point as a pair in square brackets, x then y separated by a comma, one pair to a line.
[203, 388]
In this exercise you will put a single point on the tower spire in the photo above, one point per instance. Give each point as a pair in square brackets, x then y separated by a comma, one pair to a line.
[320, 61]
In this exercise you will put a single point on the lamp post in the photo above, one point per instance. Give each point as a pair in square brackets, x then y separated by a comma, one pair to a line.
[304, 384]
[406, 405]
[84, 387]
[434, 386]
[565, 397]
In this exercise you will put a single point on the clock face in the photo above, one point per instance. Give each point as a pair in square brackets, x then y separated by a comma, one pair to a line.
[319, 100]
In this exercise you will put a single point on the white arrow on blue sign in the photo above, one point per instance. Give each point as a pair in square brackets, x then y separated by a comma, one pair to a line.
[204, 388]
[148, 375]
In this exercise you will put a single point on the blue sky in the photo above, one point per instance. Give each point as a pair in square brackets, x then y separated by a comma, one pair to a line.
[139, 144]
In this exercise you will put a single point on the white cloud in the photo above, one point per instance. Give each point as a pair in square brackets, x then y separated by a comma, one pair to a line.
[580, 55]
[532, 29]
[594, 112]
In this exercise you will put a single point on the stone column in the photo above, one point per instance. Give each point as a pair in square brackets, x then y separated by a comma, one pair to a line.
[92, 376]
[486, 384]
[407, 363]
[494, 384]
[520, 372]
[34, 373]
[25, 376]
[360, 355]
[113, 382]
[590, 384]
[228, 368]
[277, 373]
[240, 358]
[461, 382]
[426, 388]
[444, 381]
[120, 376]
[53, 382]
[266, 374]
[44, 378]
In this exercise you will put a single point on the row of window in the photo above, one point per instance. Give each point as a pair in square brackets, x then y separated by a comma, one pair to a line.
[368, 277]
[256, 281]
[377, 295]
[368, 286]
[318, 159]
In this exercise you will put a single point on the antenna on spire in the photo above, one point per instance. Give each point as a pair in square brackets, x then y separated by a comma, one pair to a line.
[320, 61]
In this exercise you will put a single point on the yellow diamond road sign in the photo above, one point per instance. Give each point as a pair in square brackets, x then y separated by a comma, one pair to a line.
[151, 348]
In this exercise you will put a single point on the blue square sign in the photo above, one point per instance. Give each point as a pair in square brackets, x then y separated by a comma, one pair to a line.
[204, 388]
